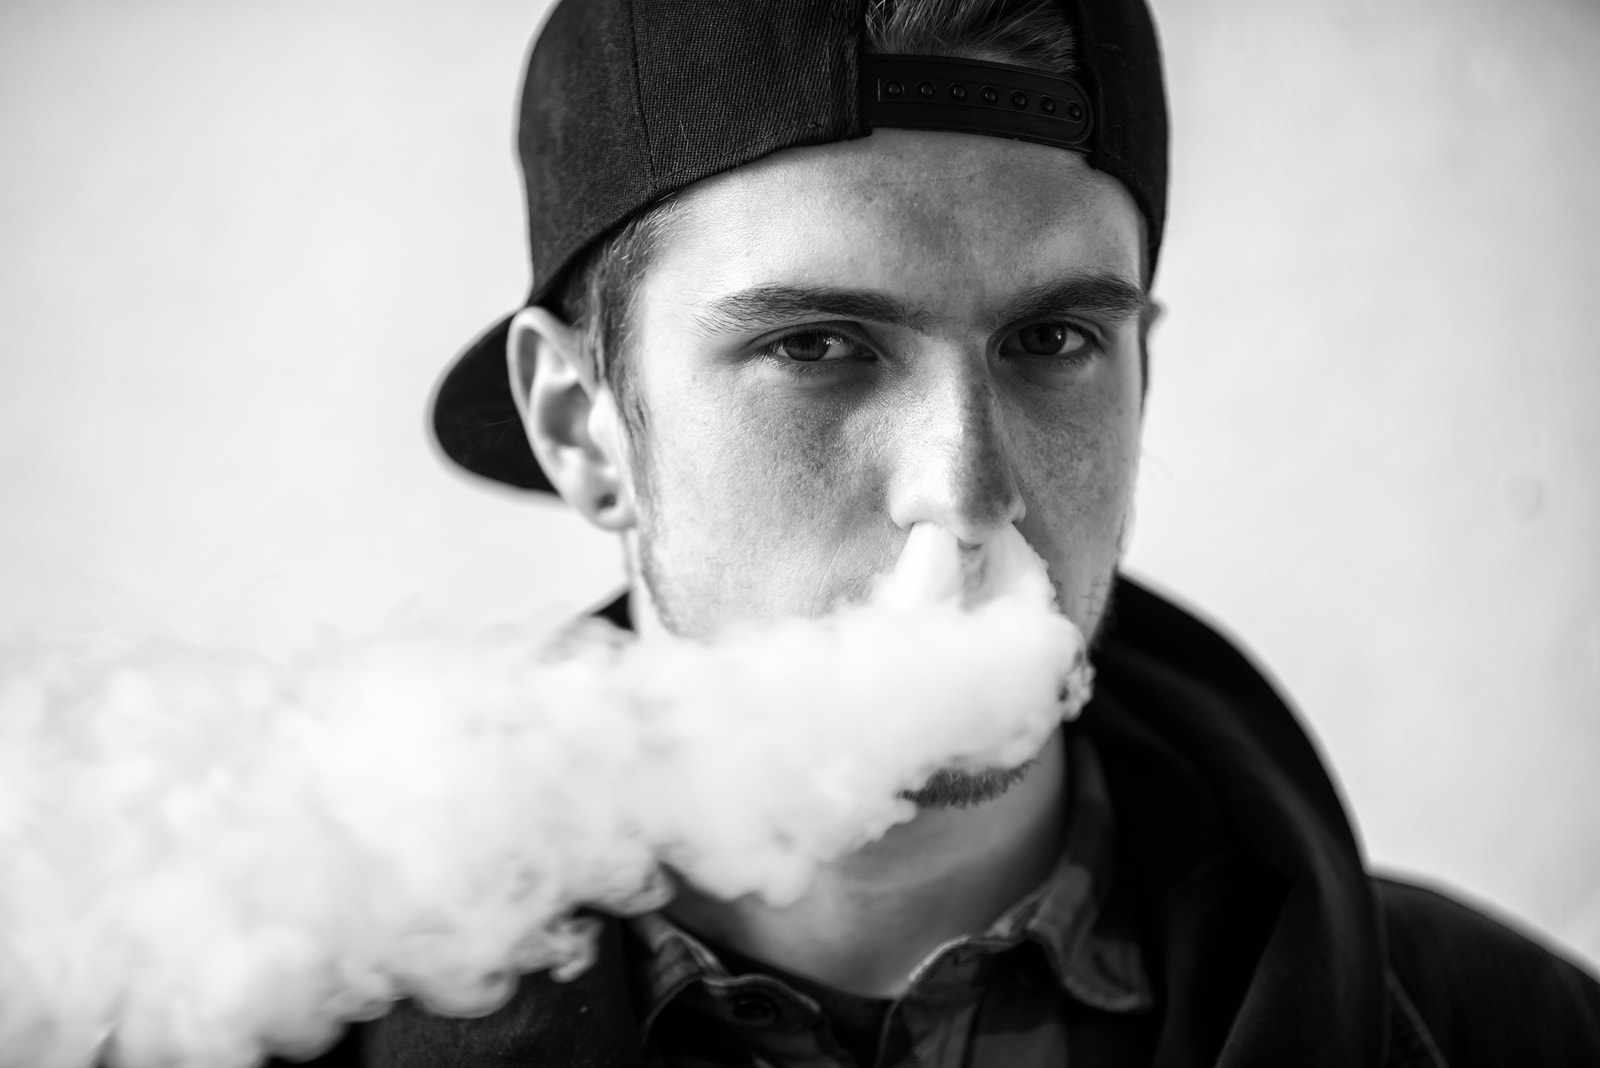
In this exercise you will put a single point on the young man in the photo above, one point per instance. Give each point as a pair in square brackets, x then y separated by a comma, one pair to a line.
[806, 274]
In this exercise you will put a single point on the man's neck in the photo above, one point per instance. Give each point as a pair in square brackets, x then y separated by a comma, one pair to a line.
[869, 918]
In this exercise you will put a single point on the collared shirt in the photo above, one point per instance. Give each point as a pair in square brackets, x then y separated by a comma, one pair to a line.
[1060, 966]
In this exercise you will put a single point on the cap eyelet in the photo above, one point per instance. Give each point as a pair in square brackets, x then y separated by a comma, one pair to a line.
[1075, 111]
[1047, 105]
[1019, 99]
[926, 90]
[958, 92]
[989, 94]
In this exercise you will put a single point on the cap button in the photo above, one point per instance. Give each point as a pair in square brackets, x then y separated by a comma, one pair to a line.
[925, 89]
[893, 88]
[989, 95]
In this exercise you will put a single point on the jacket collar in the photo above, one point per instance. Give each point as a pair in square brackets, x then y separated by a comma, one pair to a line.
[1267, 936]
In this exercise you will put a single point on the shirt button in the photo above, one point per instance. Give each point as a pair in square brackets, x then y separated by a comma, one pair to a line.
[754, 1010]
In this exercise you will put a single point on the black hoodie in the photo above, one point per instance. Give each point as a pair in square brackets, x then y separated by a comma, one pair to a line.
[1268, 941]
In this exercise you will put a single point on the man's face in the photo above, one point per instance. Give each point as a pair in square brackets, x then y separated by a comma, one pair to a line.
[840, 341]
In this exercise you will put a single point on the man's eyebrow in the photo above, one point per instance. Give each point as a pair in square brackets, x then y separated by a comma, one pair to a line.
[1103, 296]
[772, 305]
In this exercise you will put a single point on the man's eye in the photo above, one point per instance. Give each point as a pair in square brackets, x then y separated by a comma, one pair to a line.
[814, 346]
[1046, 339]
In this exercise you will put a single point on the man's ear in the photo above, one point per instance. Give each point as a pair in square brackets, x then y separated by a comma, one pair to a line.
[570, 418]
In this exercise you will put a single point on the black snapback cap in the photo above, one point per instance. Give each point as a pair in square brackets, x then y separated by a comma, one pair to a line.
[626, 101]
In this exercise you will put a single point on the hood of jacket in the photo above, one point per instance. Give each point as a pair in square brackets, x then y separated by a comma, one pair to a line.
[1263, 932]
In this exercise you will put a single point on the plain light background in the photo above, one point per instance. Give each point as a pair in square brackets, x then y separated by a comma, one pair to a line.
[239, 241]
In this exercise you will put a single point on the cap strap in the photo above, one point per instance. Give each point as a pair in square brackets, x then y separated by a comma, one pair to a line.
[975, 96]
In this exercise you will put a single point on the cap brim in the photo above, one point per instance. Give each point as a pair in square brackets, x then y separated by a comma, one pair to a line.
[475, 419]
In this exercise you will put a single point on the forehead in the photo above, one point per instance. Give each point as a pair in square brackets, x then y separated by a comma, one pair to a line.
[960, 221]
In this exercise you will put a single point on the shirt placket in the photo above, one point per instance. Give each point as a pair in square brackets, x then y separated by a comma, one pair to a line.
[940, 1008]
[781, 1029]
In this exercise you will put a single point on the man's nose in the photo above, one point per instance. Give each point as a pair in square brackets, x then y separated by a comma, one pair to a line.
[952, 463]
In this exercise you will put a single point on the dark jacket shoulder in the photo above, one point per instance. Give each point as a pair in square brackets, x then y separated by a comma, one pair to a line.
[586, 1022]
[1486, 993]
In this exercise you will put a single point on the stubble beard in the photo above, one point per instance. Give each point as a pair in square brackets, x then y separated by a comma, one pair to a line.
[958, 788]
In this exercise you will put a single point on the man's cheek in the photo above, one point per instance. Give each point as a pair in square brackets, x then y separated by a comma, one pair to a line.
[1078, 489]
[787, 450]
[752, 476]
[1073, 473]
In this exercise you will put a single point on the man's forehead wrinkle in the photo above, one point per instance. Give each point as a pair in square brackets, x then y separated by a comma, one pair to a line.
[774, 304]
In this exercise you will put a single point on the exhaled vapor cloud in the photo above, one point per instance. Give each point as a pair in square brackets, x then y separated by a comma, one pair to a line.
[210, 856]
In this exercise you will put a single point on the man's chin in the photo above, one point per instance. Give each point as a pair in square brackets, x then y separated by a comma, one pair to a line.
[950, 788]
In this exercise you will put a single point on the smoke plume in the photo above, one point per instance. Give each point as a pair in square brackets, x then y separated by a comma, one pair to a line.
[210, 855]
